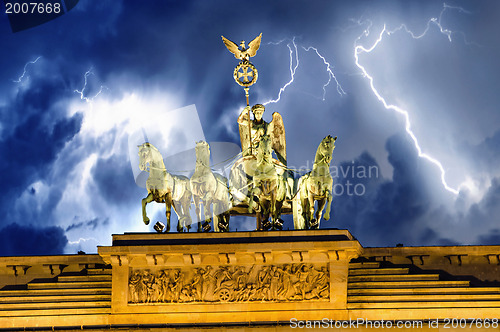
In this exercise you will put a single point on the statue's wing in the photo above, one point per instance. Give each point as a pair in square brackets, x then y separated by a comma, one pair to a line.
[277, 131]
[232, 47]
[254, 45]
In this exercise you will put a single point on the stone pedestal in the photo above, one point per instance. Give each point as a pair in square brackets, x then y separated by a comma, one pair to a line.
[230, 277]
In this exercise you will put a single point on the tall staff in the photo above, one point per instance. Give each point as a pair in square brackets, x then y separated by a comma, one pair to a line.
[245, 73]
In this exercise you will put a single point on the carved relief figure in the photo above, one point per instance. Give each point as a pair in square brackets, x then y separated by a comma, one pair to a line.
[288, 282]
[133, 287]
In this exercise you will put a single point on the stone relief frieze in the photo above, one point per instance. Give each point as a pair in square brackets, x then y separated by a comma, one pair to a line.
[287, 282]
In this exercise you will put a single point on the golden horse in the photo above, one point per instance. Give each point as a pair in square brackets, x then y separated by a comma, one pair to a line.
[268, 187]
[315, 186]
[164, 187]
[211, 189]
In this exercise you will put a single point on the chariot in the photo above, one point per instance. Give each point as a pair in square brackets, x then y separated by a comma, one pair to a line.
[260, 183]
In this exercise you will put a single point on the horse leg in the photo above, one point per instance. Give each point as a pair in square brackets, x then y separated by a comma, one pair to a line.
[305, 211]
[216, 216]
[178, 210]
[186, 203]
[319, 211]
[328, 204]
[227, 215]
[197, 209]
[168, 207]
[272, 207]
[278, 222]
[266, 214]
[250, 199]
[259, 220]
[207, 215]
[312, 222]
[145, 201]
[223, 214]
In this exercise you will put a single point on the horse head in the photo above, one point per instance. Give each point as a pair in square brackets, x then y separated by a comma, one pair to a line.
[202, 151]
[147, 153]
[325, 150]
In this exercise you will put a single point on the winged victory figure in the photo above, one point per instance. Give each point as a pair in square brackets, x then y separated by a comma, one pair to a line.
[258, 128]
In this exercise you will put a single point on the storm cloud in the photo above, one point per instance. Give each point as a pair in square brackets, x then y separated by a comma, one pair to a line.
[107, 72]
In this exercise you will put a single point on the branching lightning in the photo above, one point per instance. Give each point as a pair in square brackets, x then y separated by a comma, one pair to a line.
[358, 49]
[26, 70]
[81, 92]
[294, 50]
[331, 75]
[292, 70]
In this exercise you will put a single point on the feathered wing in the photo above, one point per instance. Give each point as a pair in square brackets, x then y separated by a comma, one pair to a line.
[277, 131]
[232, 47]
[254, 45]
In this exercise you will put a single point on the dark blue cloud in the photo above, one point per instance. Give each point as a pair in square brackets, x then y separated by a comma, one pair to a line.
[175, 47]
[485, 155]
[387, 207]
[35, 130]
[493, 238]
[115, 181]
[29, 151]
[348, 209]
[23, 239]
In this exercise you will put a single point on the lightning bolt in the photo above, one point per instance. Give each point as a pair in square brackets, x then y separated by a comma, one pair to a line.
[80, 240]
[358, 49]
[293, 69]
[331, 75]
[294, 50]
[25, 70]
[81, 92]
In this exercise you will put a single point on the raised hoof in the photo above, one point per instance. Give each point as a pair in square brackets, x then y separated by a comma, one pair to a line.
[146, 221]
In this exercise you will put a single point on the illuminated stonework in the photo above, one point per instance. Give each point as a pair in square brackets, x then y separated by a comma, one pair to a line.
[265, 279]
[286, 282]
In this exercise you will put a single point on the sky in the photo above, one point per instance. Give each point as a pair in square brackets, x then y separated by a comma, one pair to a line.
[409, 88]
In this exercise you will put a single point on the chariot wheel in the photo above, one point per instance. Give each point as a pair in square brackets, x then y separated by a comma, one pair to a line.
[224, 295]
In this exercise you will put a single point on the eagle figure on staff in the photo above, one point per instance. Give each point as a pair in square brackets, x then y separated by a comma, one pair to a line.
[242, 52]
